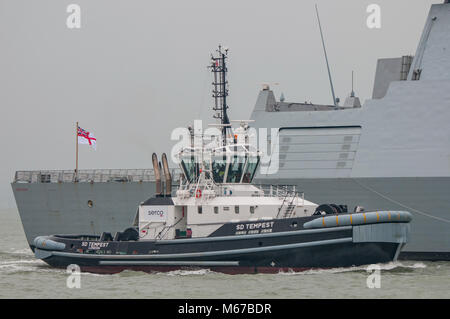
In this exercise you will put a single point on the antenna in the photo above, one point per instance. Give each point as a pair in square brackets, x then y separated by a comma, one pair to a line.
[220, 88]
[326, 58]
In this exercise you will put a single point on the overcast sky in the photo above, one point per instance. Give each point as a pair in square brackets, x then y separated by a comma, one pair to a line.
[137, 69]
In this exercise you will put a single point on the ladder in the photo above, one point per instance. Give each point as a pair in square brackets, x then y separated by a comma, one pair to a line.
[289, 208]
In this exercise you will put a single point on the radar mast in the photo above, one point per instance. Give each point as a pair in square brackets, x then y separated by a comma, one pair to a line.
[220, 89]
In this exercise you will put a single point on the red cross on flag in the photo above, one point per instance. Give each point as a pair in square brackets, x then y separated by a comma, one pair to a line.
[85, 137]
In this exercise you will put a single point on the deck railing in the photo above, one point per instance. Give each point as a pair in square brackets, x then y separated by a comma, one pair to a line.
[268, 190]
[279, 190]
[134, 175]
[93, 175]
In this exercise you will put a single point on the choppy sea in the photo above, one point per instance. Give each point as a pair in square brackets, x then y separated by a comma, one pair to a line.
[23, 276]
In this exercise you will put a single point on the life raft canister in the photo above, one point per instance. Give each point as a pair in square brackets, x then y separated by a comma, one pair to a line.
[198, 193]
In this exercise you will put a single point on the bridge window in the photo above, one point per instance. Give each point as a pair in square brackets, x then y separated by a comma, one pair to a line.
[218, 168]
[190, 168]
[207, 168]
[235, 170]
[250, 170]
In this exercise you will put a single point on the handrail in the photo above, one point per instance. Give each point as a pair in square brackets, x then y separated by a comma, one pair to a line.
[89, 176]
[268, 190]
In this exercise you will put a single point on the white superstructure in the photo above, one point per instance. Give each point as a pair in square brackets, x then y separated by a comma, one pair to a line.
[216, 189]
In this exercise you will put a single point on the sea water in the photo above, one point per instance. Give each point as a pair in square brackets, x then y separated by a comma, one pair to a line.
[24, 276]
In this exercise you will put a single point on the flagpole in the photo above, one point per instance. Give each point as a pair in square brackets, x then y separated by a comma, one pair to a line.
[76, 140]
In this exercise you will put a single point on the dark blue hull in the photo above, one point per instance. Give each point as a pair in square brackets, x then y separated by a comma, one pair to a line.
[295, 248]
[328, 256]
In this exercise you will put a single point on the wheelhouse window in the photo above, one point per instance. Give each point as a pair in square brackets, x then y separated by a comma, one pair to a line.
[250, 169]
[219, 166]
[207, 167]
[190, 168]
[235, 171]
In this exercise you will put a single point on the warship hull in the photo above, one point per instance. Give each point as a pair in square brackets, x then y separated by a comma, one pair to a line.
[64, 207]
[115, 204]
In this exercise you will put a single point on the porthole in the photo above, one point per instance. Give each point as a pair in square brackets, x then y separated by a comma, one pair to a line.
[90, 203]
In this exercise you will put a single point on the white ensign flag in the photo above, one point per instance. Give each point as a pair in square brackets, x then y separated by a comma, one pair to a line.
[85, 137]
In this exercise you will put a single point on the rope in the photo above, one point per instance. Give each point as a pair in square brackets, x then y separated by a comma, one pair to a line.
[402, 205]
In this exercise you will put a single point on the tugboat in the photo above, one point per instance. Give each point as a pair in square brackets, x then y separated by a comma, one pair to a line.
[217, 219]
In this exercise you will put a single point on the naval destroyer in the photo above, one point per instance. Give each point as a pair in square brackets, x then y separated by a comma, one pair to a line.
[391, 153]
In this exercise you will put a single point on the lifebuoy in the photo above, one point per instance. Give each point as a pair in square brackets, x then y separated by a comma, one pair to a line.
[198, 193]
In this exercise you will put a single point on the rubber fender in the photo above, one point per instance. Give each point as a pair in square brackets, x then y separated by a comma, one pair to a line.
[360, 219]
[43, 242]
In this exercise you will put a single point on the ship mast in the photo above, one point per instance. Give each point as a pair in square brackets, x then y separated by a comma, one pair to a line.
[326, 59]
[220, 89]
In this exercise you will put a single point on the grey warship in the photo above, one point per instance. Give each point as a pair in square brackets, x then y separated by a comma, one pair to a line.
[391, 153]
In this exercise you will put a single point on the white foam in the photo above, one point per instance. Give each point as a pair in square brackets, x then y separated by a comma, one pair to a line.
[24, 251]
[181, 272]
[23, 265]
[386, 266]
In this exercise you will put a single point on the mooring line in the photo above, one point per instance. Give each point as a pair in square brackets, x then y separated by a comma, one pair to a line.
[402, 205]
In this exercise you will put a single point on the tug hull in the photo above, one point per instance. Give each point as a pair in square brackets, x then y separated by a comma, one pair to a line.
[340, 255]
[296, 249]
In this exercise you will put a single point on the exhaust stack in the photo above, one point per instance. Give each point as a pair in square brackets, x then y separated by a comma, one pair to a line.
[157, 174]
[167, 175]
